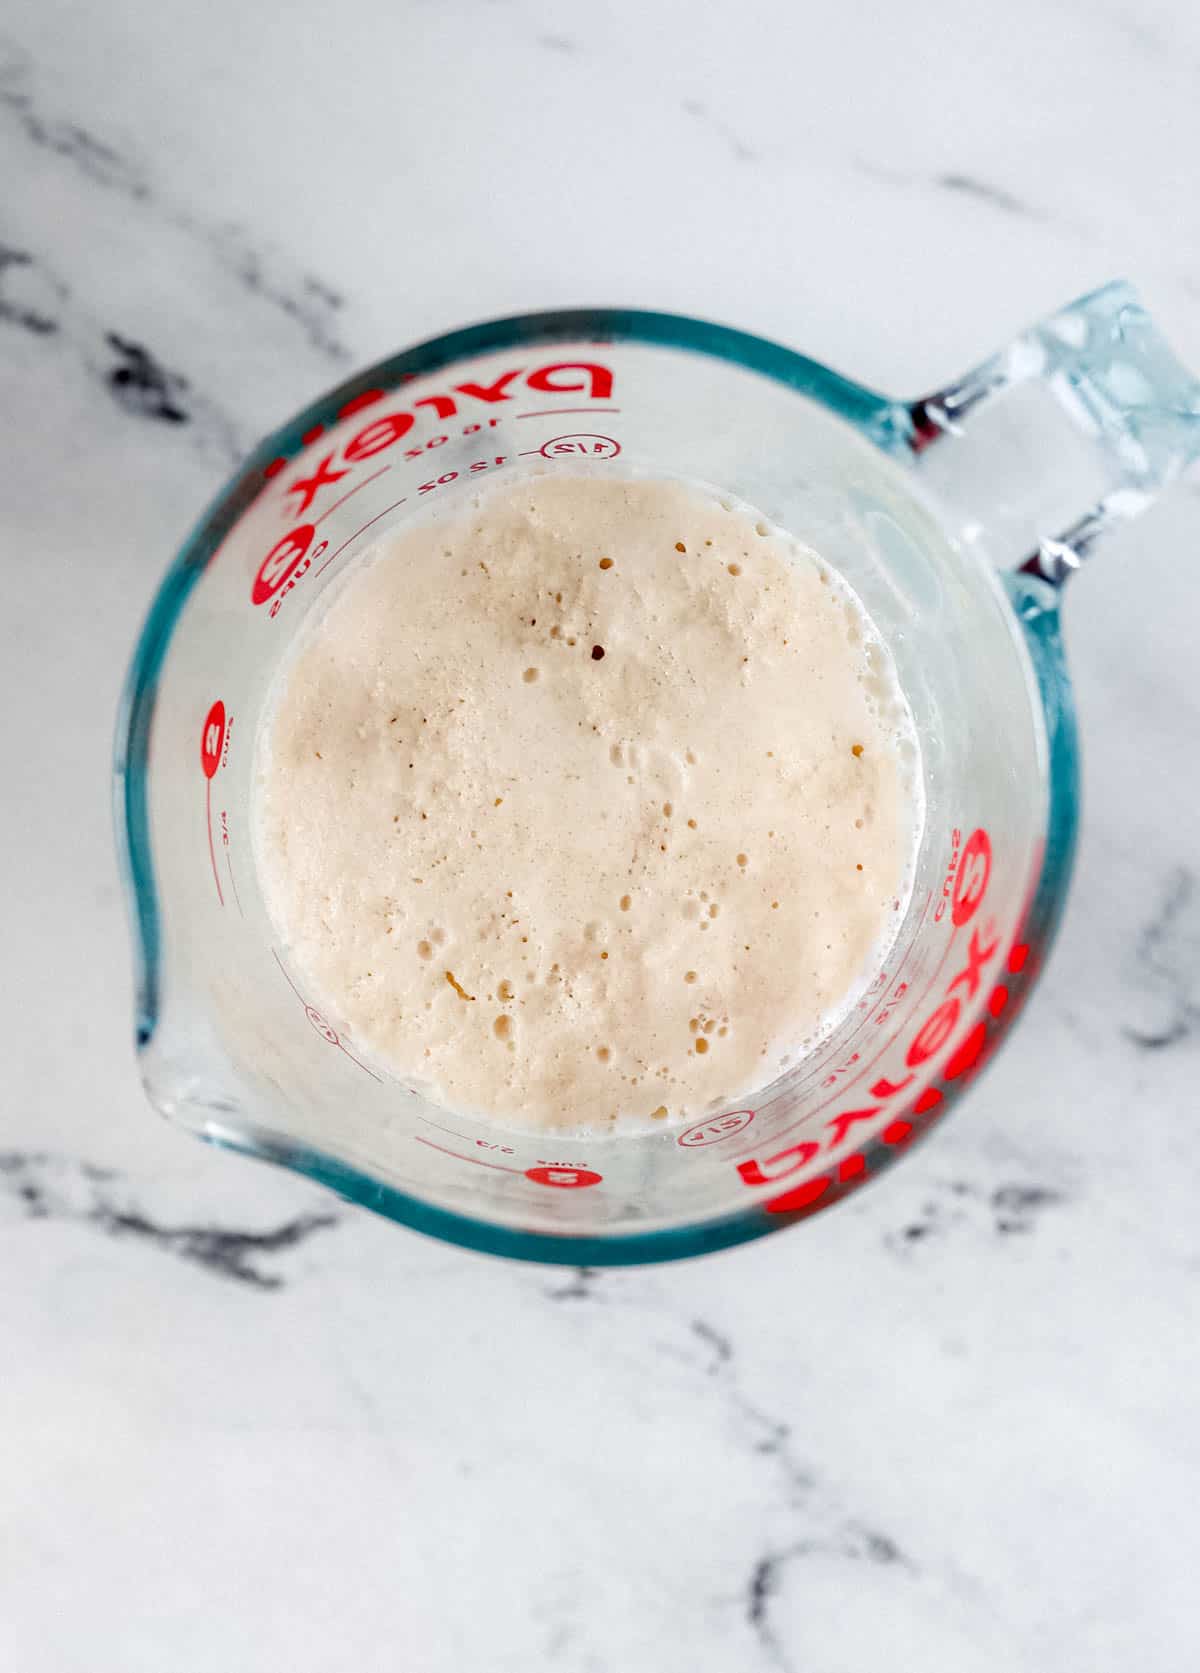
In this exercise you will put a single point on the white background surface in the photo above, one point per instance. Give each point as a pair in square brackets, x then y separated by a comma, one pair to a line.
[932, 1430]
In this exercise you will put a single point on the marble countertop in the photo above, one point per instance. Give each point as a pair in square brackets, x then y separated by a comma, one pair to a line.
[951, 1426]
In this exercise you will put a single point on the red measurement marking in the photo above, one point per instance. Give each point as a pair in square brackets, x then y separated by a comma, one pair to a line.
[787, 1096]
[286, 977]
[357, 532]
[554, 412]
[843, 1087]
[233, 882]
[274, 468]
[784, 1097]
[212, 853]
[564, 1179]
[310, 436]
[929, 1041]
[349, 495]
[212, 743]
[593, 382]
[865, 1021]
[715, 1129]
[971, 878]
[429, 1122]
[323, 1028]
[869, 1017]
[1016, 959]
[908, 952]
[346, 1052]
[484, 1144]
[497, 1167]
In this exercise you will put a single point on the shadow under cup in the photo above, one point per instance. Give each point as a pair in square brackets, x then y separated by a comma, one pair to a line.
[234, 1051]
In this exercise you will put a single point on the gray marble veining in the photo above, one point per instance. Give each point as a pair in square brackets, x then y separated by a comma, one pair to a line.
[950, 1425]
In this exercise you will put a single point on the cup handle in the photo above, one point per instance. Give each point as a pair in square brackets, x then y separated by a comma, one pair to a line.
[1115, 386]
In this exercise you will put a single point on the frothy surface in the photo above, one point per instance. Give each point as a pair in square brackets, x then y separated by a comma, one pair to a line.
[593, 803]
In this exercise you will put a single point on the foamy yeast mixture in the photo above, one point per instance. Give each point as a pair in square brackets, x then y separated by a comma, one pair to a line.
[594, 803]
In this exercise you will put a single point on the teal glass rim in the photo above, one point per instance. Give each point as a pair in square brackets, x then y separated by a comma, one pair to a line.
[886, 423]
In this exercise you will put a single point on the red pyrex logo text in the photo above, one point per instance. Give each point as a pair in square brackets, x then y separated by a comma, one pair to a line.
[971, 878]
[585, 378]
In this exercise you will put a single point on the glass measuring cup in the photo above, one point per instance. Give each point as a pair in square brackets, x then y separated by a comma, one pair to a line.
[956, 518]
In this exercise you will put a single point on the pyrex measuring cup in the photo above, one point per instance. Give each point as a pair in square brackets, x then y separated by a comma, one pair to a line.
[956, 518]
